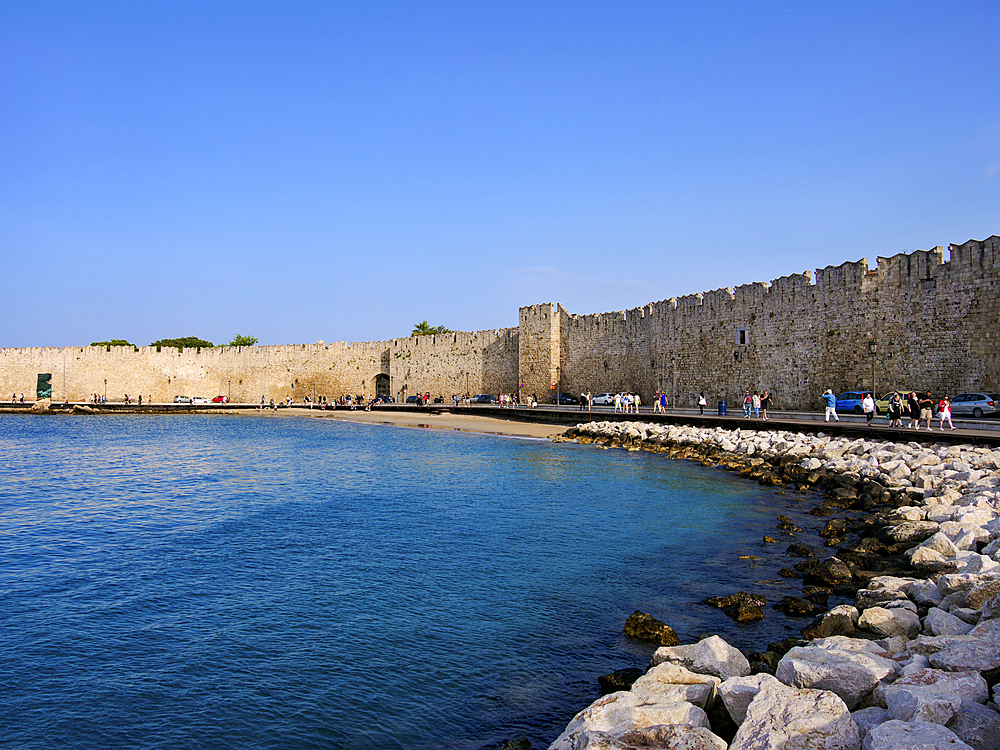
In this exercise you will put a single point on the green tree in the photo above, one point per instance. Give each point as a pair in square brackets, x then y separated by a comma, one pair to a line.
[187, 341]
[426, 329]
[240, 340]
[113, 342]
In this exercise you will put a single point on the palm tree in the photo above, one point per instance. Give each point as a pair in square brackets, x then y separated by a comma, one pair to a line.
[425, 329]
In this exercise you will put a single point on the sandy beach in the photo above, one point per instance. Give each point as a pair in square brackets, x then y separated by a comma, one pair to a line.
[460, 422]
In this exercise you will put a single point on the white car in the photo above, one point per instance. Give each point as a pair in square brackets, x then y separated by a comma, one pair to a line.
[603, 399]
[200, 400]
[976, 404]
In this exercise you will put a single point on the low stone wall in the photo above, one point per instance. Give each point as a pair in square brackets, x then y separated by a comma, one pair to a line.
[914, 662]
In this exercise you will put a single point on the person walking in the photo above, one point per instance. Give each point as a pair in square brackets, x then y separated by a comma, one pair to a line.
[831, 406]
[747, 405]
[702, 403]
[913, 410]
[756, 405]
[868, 407]
[765, 403]
[637, 402]
[664, 403]
[926, 409]
[944, 411]
[895, 415]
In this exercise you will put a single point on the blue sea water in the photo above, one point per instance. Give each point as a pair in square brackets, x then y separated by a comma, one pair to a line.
[239, 582]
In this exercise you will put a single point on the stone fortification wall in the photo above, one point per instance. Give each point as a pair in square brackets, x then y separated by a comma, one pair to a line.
[540, 347]
[935, 324]
[455, 363]
[485, 360]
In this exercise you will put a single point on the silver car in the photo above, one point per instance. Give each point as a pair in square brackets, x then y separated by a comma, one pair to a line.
[603, 399]
[975, 404]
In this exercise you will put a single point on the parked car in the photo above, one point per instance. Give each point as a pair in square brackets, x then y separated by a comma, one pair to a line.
[199, 400]
[603, 399]
[564, 399]
[976, 404]
[414, 399]
[219, 400]
[483, 398]
[851, 401]
[182, 399]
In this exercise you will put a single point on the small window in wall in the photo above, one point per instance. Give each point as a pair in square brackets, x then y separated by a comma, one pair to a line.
[742, 336]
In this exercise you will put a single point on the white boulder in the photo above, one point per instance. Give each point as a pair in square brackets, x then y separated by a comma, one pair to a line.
[890, 622]
[866, 718]
[941, 543]
[849, 674]
[711, 655]
[621, 712]
[668, 683]
[901, 735]
[939, 622]
[923, 592]
[960, 653]
[738, 692]
[977, 726]
[783, 717]
[663, 736]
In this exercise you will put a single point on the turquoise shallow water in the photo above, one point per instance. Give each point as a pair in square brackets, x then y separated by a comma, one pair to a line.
[187, 581]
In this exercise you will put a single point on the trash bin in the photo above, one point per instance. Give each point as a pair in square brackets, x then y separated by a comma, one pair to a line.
[722, 408]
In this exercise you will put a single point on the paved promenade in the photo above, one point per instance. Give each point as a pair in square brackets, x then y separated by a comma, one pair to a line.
[983, 431]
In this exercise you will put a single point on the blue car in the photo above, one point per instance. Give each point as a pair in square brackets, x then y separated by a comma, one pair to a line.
[851, 401]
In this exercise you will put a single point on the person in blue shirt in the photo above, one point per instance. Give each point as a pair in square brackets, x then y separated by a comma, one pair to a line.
[831, 406]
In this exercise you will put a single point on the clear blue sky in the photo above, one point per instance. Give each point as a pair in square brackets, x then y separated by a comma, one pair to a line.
[339, 171]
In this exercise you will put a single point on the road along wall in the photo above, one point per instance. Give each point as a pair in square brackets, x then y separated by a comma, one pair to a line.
[934, 323]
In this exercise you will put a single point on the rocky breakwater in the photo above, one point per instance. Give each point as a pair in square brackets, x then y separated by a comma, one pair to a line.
[915, 660]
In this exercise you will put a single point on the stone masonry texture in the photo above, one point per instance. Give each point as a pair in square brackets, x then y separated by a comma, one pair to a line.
[935, 323]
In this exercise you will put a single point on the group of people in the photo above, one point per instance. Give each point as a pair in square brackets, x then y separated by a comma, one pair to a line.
[627, 402]
[915, 409]
[754, 404]
[97, 398]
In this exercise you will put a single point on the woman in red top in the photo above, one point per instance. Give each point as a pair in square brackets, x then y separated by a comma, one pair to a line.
[944, 411]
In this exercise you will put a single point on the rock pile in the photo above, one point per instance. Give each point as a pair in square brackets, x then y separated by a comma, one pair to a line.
[913, 663]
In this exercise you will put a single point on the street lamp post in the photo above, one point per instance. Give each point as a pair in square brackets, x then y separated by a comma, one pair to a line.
[873, 350]
[230, 396]
[105, 389]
